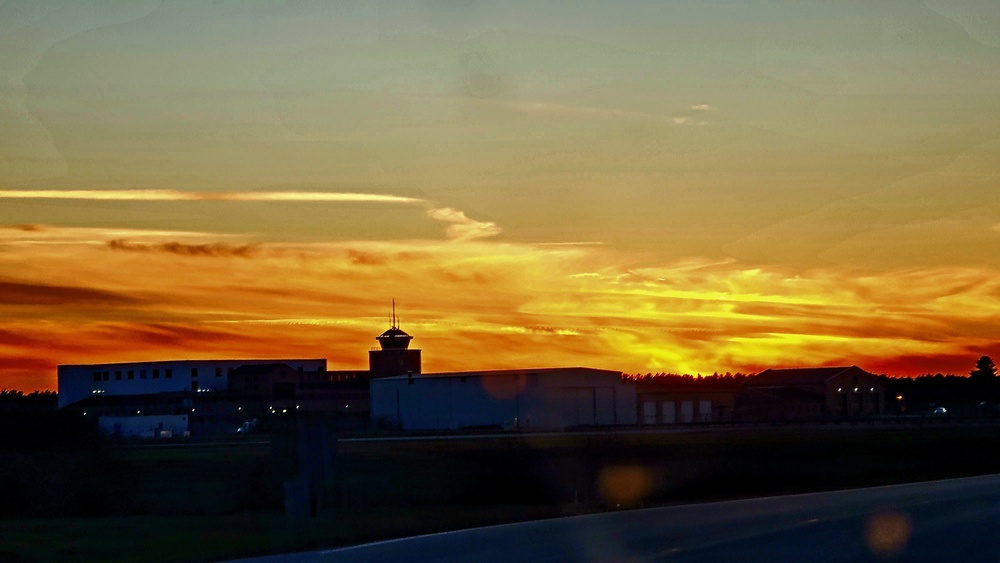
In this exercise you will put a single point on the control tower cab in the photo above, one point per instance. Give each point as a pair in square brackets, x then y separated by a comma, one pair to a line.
[394, 358]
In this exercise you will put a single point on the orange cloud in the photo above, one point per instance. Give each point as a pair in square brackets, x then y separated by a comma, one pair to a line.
[37, 294]
[90, 295]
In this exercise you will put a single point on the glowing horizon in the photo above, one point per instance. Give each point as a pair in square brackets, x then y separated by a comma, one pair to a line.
[663, 187]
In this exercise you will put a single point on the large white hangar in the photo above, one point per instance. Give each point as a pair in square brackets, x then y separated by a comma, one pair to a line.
[550, 398]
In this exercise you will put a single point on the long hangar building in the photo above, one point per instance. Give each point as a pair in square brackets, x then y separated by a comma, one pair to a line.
[218, 396]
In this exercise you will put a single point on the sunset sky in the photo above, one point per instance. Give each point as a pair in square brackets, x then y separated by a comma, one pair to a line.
[643, 186]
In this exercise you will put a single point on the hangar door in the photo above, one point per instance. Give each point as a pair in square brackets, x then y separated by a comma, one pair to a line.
[605, 405]
[586, 406]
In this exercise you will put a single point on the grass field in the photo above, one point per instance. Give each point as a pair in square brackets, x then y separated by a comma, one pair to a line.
[208, 503]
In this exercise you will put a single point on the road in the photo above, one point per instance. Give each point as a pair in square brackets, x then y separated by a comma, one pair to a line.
[952, 520]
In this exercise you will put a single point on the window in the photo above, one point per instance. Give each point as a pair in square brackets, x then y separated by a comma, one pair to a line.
[194, 372]
[156, 374]
[168, 373]
[218, 372]
[104, 376]
[131, 374]
[97, 376]
[118, 375]
[229, 371]
[142, 374]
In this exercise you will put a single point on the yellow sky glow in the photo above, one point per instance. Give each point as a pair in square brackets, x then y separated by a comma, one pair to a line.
[657, 186]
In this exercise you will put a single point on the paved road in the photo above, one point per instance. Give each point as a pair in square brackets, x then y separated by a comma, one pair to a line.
[953, 520]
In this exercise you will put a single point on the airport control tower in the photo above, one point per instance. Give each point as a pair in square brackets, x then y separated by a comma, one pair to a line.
[394, 357]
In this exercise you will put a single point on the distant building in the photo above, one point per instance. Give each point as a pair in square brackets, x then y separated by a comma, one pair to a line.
[670, 402]
[80, 381]
[551, 398]
[811, 393]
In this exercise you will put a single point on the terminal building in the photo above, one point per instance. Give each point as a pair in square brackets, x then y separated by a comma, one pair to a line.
[204, 397]
[79, 382]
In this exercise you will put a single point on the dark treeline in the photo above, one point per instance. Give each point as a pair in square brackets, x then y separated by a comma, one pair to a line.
[960, 394]
[12, 400]
[52, 462]
[714, 381]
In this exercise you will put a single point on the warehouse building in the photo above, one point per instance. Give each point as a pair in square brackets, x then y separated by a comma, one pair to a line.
[550, 398]
[680, 404]
[811, 393]
[79, 382]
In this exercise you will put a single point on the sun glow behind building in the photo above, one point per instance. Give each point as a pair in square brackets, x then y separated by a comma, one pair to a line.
[664, 187]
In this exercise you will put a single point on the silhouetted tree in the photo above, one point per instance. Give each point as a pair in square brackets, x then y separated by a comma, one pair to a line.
[985, 370]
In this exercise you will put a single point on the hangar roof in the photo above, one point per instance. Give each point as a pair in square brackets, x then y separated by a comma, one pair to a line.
[509, 373]
[800, 376]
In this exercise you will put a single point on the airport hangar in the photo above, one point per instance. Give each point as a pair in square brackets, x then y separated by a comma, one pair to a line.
[202, 397]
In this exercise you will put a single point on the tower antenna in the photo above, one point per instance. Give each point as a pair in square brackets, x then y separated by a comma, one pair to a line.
[394, 313]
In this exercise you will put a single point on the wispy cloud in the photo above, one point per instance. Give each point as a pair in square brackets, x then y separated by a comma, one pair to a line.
[461, 227]
[35, 294]
[213, 249]
[177, 195]
[702, 107]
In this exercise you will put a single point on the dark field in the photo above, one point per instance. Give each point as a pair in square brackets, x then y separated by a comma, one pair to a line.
[203, 503]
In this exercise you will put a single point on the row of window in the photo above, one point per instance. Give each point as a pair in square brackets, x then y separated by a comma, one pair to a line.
[130, 374]
[218, 372]
[142, 374]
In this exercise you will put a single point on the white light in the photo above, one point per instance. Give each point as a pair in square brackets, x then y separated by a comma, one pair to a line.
[345, 406]
[239, 408]
[138, 412]
[192, 410]
[839, 389]
[296, 407]
[855, 389]
[872, 389]
[284, 410]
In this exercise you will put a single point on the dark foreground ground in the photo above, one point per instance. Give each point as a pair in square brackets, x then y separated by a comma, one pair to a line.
[204, 503]
[950, 520]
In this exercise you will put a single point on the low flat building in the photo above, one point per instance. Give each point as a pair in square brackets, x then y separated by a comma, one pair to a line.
[776, 395]
[684, 405]
[549, 398]
[80, 381]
